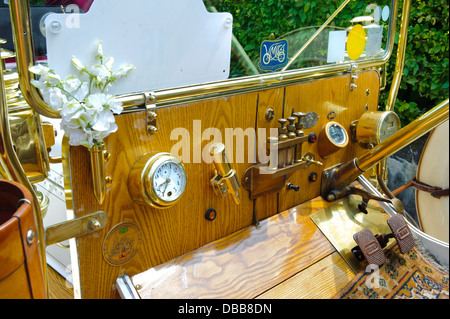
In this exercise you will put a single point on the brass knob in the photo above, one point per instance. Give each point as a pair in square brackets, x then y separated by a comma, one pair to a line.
[282, 130]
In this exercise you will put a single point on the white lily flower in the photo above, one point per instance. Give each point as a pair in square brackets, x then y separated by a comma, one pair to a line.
[54, 97]
[87, 114]
[100, 72]
[96, 101]
[77, 136]
[114, 105]
[123, 71]
[71, 84]
[40, 69]
[82, 91]
[77, 64]
[70, 109]
[99, 49]
[40, 85]
[109, 63]
[103, 121]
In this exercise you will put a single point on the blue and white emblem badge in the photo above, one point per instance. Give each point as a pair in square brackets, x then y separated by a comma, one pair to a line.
[273, 55]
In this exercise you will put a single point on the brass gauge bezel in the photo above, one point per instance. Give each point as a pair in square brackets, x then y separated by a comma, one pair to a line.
[369, 127]
[326, 145]
[140, 179]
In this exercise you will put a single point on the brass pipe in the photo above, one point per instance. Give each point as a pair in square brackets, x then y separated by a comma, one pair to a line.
[14, 171]
[336, 179]
[400, 62]
[23, 40]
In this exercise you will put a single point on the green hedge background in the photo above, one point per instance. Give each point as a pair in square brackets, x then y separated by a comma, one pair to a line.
[425, 81]
[426, 72]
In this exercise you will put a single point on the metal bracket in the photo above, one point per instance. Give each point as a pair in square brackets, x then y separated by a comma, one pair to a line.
[150, 105]
[75, 227]
[354, 77]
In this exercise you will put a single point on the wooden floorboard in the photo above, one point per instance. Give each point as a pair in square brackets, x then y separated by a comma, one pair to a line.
[245, 263]
[322, 280]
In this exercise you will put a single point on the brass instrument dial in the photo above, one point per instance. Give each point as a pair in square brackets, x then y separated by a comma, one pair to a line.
[157, 179]
[332, 138]
[374, 127]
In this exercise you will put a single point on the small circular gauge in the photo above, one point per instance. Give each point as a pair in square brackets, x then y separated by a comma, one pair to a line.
[157, 179]
[374, 127]
[337, 134]
[332, 138]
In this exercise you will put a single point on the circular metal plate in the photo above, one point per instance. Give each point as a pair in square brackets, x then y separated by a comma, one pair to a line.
[121, 243]
[310, 119]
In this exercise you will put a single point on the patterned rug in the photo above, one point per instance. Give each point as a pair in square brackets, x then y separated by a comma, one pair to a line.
[403, 276]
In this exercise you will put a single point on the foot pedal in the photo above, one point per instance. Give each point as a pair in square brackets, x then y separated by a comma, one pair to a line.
[401, 232]
[370, 247]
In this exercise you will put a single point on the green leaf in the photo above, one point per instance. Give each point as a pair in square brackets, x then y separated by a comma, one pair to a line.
[306, 7]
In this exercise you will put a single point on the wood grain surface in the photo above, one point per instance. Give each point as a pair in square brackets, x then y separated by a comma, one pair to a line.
[244, 263]
[172, 232]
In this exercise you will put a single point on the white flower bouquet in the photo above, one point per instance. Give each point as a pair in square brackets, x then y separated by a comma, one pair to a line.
[85, 106]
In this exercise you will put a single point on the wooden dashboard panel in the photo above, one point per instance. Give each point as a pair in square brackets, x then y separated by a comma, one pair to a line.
[171, 232]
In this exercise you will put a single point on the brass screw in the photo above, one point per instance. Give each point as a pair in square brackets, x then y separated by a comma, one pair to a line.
[151, 129]
[94, 224]
[270, 114]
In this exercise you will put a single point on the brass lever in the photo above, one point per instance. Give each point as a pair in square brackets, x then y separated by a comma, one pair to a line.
[225, 181]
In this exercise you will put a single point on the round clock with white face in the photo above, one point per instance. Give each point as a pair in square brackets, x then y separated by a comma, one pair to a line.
[157, 179]
[169, 181]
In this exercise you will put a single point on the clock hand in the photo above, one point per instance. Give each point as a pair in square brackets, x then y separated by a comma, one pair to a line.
[167, 184]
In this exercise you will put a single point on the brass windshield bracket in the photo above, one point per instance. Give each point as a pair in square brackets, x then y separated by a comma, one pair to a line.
[75, 228]
[150, 105]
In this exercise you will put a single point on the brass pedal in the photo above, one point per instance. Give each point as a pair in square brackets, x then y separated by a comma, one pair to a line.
[369, 248]
[401, 232]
